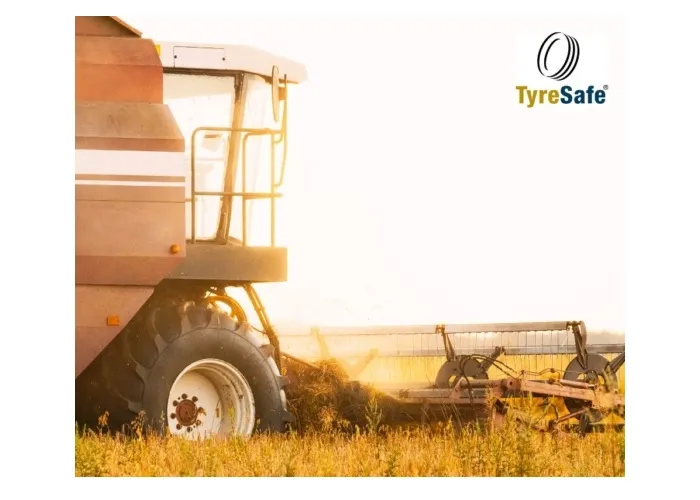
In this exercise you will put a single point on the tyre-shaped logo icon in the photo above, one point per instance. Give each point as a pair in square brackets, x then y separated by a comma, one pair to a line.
[558, 65]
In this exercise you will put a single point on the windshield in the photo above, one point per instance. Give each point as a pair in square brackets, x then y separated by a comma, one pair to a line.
[257, 114]
[198, 101]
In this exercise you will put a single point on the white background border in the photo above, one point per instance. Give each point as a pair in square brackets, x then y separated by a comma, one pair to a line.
[662, 249]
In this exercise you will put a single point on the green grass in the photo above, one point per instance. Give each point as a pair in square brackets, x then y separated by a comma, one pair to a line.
[510, 451]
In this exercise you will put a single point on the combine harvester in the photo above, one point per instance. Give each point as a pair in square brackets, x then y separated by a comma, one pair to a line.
[158, 332]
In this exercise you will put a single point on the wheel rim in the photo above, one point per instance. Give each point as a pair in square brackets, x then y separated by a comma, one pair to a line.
[210, 397]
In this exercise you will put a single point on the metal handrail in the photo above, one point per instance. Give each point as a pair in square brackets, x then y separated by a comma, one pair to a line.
[272, 195]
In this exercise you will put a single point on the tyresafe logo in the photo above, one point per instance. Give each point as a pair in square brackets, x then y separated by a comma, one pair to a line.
[558, 59]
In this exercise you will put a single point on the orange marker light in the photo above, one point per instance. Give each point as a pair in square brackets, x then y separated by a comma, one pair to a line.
[174, 249]
[113, 320]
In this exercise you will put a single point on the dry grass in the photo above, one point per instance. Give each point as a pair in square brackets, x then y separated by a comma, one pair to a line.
[324, 400]
[508, 452]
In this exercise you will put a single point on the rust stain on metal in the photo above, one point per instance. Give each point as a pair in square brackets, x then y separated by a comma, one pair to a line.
[186, 412]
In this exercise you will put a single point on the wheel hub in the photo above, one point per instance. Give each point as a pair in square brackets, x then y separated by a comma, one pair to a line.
[186, 412]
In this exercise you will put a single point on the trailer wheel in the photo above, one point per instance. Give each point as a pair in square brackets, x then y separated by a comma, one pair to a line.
[190, 370]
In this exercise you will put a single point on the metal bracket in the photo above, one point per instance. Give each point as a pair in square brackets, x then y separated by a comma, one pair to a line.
[456, 391]
[580, 337]
[617, 363]
[486, 364]
[449, 349]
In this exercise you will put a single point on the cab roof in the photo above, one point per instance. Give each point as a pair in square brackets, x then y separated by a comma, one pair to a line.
[223, 58]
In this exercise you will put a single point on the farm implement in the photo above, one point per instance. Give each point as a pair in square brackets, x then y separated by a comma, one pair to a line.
[528, 370]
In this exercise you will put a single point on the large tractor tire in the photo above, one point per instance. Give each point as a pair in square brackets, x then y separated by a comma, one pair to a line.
[192, 370]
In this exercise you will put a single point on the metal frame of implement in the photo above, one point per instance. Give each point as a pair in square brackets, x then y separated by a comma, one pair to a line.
[587, 400]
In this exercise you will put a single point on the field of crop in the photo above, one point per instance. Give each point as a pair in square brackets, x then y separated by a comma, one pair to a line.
[508, 452]
[342, 434]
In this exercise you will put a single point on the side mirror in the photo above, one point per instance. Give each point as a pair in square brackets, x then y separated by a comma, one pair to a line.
[275, 93]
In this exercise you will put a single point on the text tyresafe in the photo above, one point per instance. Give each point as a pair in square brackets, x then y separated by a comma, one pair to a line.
[564, 95]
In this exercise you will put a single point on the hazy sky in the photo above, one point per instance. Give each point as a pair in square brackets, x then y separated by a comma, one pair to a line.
[419, 191]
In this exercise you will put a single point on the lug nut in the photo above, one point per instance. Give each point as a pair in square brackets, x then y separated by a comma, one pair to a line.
[194, 399]
[178, 427]
[172, 415]
[184, 396]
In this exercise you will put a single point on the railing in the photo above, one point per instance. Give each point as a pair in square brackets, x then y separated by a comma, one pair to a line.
[390, 355]
[422, 341]
[246, 196]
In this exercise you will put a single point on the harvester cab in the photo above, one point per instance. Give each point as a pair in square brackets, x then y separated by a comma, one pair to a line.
[231, 104]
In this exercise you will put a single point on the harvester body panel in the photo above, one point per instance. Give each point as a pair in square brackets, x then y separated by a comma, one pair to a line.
[129, 181]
